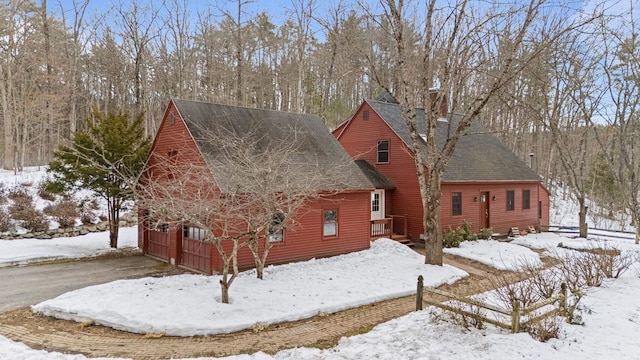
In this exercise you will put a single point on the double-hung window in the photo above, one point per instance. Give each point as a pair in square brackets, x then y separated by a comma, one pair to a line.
[383, 151]
[526, 199]
[276, 229]
[330, 223]
[456, 203]
[510, 200]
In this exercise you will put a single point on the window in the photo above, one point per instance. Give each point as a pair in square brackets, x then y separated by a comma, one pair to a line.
[526, 197]
[456, 203]
[330, 223]
[375, 202]
[365, 114]
[510, 200]
[194, 233]
[276, 229]
[383, 151]
[172, 119]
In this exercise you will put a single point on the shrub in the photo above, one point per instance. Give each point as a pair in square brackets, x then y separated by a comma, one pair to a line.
[545, 329]
[43, 191]
[21, 210]
[451, 238]
[466, 232]
[485, 233]
[20, 195]
[37, 222]
[87, 207]
[64, 212]
[5, 221]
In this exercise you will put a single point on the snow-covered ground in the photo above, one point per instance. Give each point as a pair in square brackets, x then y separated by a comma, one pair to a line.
[24, 251]
[191, 306]
[612, 321]
[500, 255]
[388, 269]
[564, 211]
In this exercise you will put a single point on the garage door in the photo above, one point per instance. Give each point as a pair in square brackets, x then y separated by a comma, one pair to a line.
[196, 253]
[158, 244]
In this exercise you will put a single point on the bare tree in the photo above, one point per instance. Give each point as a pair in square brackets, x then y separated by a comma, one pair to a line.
[461, 46]
[622, 69]
[572, 99]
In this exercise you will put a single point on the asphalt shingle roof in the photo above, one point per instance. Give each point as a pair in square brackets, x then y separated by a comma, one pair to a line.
[478, 156]
[377, 179]
[317, 151]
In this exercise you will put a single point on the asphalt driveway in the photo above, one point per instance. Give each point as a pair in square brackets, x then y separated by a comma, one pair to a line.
[28, 285]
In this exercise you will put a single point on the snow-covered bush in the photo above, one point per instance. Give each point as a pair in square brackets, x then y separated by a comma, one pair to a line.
[64, 212]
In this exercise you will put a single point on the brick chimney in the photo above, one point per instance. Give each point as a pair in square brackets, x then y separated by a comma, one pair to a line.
[442, 107]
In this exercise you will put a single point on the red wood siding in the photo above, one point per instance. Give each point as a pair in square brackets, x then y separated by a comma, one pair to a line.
[500, 219]
[303, 240]
[543, 198]
[360, 139]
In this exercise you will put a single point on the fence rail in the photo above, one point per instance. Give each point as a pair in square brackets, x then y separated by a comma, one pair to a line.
[516, 313]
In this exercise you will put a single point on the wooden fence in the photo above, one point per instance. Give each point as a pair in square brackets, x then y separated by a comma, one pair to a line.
[516, 313]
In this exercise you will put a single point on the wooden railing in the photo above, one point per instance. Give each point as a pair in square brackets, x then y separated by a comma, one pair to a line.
[381, 227]
[389, 226]
[534, 313]
[399, 226]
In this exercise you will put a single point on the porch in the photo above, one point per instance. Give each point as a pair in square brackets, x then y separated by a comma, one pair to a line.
[392, 227]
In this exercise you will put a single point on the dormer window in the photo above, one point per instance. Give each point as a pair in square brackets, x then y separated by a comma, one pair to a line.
[383, 151]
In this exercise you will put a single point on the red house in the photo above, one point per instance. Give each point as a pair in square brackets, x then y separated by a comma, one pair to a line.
[333, 224]
[485, 183]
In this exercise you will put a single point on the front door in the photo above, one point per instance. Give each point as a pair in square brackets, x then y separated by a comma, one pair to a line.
[484, 210]
[377, 204]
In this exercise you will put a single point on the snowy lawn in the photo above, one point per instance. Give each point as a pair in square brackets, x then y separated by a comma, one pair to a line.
[556, 245]
[24, 251]
[612, 319]
[500, 255]
[187, 305]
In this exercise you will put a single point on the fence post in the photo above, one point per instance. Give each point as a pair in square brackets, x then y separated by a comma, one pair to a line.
[515, 317]
[563, 299]
[419, 293]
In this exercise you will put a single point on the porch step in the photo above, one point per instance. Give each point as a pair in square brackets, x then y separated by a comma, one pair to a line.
[399, 238]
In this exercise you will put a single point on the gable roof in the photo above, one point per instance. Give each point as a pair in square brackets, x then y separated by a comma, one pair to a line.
[316, 150]
[478, 156]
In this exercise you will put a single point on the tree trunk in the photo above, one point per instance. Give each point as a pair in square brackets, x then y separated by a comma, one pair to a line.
[431, 222]
[582, 218]
[224, 288]
[114, 223]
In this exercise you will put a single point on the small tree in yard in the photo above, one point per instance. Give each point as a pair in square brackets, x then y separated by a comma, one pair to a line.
[179, 193]
[106, 159]
[269, 172]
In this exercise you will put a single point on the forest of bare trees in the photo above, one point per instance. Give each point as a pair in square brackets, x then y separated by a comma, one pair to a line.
[573, 105]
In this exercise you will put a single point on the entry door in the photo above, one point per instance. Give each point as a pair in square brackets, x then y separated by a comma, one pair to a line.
[484, 209]
[377, 205]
